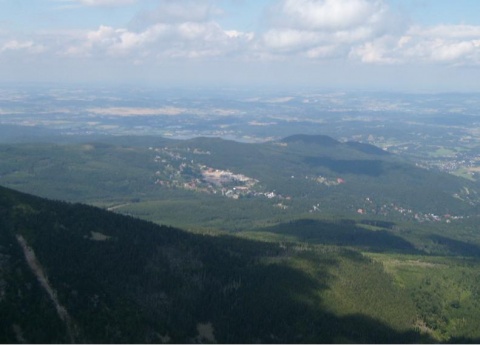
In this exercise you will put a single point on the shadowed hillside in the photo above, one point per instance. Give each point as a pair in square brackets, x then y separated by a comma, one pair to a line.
[322, 140]
[124, 280]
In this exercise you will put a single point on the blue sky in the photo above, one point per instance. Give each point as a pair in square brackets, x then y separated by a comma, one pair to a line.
[411, 45]
[434, 12]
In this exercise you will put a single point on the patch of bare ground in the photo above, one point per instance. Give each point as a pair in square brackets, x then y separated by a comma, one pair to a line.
[98, 236]
[417, 263]
[18, 334]
[38, 271]
[423, 328]
[205, 333]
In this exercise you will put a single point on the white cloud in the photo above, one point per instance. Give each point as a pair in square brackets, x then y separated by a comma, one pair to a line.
[454, 51]
[180, 28]
[16, 45]
[344, 32]
[325, 28]
[161, 41]
[329, 15]
[29, 46]
[107, 40]
[366, 31]
[288, 39]
[451, 44]
[383, 51]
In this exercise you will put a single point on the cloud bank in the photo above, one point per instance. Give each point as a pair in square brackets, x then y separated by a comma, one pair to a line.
[364, 32]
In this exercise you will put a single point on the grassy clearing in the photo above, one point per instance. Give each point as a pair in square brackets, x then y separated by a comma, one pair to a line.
[445, 291]
[465, 173]
[265, 236]
[443, 152]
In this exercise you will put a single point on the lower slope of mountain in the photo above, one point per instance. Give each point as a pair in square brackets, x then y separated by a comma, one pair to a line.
[75, 273]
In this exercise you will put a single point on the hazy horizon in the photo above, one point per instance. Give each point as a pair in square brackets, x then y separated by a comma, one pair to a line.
[383, 45]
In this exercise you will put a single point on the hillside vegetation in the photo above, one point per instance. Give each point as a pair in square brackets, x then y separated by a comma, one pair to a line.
[125, 280]
[301, 240]
[120, 279]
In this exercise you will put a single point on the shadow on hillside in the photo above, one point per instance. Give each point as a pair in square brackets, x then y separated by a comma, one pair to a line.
[278, 303]
[363, 329]
[463, 340]
[378, 223]
[372, 168]
[321, 140]
[367, 148]
[343, 233]
[144, 282]
[456, 247]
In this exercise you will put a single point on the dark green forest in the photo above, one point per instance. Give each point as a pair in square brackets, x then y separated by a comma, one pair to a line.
[303, 240]
[121, 279]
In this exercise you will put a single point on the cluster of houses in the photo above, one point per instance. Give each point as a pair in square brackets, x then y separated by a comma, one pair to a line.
[370, 207]
[179, 172]
[329, 182]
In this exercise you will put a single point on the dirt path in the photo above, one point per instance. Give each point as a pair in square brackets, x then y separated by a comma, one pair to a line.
[37, 269]
[117, 206]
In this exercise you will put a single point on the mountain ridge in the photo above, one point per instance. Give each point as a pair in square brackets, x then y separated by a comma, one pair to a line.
[318, 139]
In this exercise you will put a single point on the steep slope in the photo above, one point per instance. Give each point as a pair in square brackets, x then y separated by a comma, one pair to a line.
[72, 272]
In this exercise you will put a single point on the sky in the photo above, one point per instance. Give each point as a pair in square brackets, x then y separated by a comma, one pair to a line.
[387, 45]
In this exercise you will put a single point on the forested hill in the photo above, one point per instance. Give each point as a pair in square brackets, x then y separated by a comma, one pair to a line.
[75, 273]
[256, 184]
[326, 141]
[323, 140]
